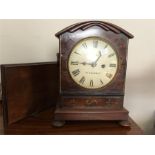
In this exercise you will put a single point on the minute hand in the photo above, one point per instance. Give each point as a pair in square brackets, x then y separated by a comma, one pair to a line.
[95, 63]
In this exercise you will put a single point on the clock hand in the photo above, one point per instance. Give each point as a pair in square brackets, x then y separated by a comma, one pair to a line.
[95, 63]
[98, 57]
[85, 63]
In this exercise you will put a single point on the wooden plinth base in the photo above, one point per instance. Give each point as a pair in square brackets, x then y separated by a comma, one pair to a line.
[61, 115]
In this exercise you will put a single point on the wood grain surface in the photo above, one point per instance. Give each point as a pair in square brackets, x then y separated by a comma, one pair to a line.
[41, 125]
[28, 89]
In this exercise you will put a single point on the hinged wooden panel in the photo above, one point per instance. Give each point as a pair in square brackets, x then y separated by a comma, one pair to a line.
[28, 89]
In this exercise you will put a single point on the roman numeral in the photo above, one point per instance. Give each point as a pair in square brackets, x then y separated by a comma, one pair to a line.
[101, 81]
[77, 53]
[84, 45]
[91, 83]
[109, 75]
[112, 65]
[95, 43]
[76, 72]
[74, 62]
[111, 55]
[82, 80]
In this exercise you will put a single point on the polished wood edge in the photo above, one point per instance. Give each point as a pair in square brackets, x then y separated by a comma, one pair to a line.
[4, 97]
[71, 114]
[27, 64]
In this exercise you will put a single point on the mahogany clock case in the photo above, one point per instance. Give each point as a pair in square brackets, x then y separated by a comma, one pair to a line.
[76, 100]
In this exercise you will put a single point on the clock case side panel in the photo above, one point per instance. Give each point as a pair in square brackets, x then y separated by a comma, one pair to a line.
[118, 41]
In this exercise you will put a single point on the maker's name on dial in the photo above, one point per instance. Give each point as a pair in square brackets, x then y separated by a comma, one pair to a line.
[92, 72]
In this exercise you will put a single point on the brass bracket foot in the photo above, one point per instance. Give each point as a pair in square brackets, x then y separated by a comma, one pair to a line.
[125, 123]
[58, 124]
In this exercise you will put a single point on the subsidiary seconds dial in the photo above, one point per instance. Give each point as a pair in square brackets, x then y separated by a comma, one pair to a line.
[92, 63]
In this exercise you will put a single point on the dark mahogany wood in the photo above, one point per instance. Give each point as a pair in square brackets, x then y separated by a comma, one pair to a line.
[1, 119]
[85, 25]
[41, 125]
[107, 99]
[98, 102]
[28, 89]
[90, 114]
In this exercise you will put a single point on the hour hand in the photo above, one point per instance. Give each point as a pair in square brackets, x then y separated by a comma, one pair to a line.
[85, 63]
[77, 63]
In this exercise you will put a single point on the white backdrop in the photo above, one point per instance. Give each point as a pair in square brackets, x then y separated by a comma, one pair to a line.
[24, 41]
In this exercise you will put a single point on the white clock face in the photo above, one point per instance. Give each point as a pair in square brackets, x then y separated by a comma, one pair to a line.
[92, 63]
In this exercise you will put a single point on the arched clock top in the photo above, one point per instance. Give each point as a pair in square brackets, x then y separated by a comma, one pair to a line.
[88, 24]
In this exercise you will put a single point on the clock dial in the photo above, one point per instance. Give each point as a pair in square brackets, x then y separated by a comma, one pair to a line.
[92, 63]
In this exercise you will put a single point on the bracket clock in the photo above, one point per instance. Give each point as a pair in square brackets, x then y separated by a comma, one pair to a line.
[92, 67]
